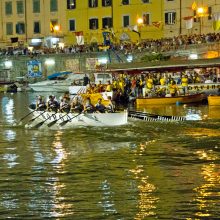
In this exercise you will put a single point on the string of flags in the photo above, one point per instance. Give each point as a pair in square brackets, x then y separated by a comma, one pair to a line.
[189, 21]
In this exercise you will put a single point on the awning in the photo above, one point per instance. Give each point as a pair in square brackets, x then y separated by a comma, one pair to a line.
[55, 75]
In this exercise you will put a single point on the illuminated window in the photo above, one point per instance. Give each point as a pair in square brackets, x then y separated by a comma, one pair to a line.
[107, 22]
[20, 28]
[146, 19]
[170, 18]
[93, 23]
[93, 3]
[106, 3]
[71, 4]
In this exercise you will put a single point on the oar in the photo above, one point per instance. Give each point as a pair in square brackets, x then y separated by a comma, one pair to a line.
[138, 114]
[26, 116]
[55, 121]
[64, 122]
[42, 122]
[37, 116]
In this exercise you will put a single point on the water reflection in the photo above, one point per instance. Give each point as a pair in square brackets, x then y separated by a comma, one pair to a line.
[9, 135]
[147, 201]
[107, 202]
[207, 196]
[8, 109]
[144, 170]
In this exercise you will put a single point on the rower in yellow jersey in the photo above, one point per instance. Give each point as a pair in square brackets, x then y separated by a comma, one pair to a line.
[184, 82]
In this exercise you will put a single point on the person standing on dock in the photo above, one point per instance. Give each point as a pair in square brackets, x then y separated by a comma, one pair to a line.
[184, 82]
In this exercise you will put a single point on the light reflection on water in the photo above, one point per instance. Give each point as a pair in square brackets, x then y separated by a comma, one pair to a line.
[144, 170]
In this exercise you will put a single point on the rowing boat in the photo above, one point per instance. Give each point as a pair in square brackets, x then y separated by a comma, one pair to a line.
[171, 100]
[70, 120]
[214, 100]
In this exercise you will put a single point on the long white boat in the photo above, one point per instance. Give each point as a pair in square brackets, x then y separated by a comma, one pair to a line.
[66, 121]
[58, 82]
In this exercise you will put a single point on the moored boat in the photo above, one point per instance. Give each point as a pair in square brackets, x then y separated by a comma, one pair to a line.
[57, 82]
[171, 100]
[71, 120]
[214, 100]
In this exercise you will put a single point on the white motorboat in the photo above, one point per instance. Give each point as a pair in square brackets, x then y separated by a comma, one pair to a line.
[58, 82]
[70, 120]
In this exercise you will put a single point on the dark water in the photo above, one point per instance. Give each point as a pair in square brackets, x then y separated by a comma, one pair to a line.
[144, 170]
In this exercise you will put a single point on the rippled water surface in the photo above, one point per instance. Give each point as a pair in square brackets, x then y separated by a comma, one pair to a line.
[143, 170]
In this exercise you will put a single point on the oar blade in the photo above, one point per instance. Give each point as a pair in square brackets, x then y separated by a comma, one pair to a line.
[52, 123]
[39, 124]
[64, 122]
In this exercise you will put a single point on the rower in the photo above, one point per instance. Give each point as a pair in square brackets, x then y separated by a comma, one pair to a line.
[88, 107]
[64, 105]
[40, 104]
[52, 104]
[111, 106]
[76, 105]
[99, 106]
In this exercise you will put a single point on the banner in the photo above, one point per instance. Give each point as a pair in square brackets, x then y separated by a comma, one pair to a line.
[91, 63]
[72, 65]
[216, 21]
[189, 22]
[156, 24]
[107, 38]
[79, 37]
[34, 69]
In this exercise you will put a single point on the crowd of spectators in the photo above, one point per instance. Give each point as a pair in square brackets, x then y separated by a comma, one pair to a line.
[150, 84]
[148, 45]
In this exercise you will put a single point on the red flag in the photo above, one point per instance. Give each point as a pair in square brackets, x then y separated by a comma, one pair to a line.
[79, 37]
[156, 24]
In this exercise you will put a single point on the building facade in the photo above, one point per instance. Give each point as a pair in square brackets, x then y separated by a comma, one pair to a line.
[42, 21]
[32, 22]
[189, 16]
[127, 20]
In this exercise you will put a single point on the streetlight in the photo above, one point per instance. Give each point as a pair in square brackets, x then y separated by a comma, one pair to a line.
[201, 12]
[140, 22]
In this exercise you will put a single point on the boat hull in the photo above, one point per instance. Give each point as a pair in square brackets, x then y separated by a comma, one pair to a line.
[83, 119]
[50, 87]
[171, 100]
[214, 100]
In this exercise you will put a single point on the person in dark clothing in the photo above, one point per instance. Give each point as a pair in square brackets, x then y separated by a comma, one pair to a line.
[86, 80]
[52, 104]
[99, 106]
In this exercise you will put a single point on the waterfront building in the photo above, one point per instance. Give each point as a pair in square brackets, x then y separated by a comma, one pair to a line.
[32, 22]
[56, 22]
[189, 16]
[125, 20]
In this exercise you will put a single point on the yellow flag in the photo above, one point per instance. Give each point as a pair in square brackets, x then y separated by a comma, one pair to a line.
[51, 27]
[216, 21]
[194, 6]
